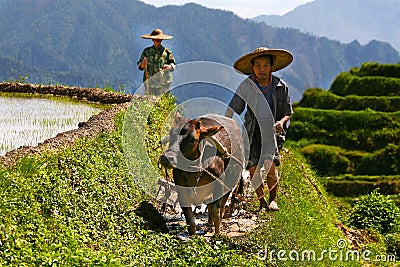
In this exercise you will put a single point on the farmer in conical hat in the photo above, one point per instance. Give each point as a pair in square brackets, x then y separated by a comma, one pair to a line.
[157, 62]
[267, 119]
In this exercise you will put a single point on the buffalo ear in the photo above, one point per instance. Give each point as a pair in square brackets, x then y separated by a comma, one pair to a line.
[208, 132]
[178, 118]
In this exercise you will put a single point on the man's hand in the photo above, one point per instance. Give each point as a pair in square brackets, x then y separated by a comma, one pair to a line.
[168, 67]
[144, 63]
[279, 126]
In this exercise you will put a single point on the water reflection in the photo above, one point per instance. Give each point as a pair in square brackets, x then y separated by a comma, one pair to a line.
[30, 121]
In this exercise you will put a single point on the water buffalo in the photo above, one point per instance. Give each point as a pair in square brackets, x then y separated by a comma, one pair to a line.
[206, 155]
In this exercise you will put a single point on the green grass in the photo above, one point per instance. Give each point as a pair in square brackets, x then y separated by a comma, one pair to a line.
[82, 207]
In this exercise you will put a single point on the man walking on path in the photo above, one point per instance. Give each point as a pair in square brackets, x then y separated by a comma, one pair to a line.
[269, 110]
[157, 62]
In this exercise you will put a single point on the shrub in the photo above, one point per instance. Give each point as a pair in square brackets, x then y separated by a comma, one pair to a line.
[385, 161]
[322, 99]
[393, 244]
[327, 160]
[319, 98]
[339, 85]
[346, 84]
[377, 69]
[376, 211]
[352, 130]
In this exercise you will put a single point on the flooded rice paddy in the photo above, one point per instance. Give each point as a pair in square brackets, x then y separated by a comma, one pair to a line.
[27, 121]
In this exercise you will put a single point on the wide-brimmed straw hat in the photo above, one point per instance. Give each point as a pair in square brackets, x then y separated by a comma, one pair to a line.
[282, 58]
[157, 34]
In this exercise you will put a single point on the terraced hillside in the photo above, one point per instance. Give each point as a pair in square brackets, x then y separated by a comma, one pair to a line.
[351, 132]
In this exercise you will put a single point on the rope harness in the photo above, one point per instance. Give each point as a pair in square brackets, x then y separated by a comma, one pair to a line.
[223, 151]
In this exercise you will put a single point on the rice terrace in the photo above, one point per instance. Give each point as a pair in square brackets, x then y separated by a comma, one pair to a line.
[72, 200]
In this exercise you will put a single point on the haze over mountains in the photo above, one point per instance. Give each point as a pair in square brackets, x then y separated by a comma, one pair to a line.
[97, 42]
[344, 20]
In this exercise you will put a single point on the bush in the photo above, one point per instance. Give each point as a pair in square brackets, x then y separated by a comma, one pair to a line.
[340, 84]
[376, 211]
[319, 98]
[322, 99]
[392, 242]
[347, 84]
[351, 130]
[328, 160]
[377, 69]
[372, 79]
[385, 161]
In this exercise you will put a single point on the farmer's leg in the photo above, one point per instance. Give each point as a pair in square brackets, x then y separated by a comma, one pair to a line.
[256, 181]
[272, 182]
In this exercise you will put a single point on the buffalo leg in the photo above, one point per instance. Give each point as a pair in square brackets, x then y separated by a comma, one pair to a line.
[222, 205]
[215, 215]
[187, 211]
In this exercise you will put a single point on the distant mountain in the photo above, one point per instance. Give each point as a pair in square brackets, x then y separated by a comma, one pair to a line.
[344, 20]
[94, 42]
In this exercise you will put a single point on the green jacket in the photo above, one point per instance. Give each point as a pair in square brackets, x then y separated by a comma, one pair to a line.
[157, 58]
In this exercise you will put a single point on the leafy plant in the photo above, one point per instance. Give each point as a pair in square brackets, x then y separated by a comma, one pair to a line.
[376, 211]
[384, 161]
[328, 160]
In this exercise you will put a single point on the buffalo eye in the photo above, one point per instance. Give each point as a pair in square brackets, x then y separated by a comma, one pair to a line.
[183, 131]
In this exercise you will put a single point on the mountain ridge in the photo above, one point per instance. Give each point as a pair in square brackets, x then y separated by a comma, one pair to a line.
[343, 20]
[99, 42]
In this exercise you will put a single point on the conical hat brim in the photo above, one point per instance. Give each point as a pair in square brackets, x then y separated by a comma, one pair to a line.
[157, 37]
[282, 59]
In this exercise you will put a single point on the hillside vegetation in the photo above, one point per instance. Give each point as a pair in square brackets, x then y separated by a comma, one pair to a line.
[81, 207]
[351, 132]
[95, 42]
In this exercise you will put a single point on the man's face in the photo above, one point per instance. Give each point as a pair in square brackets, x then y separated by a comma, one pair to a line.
[157, 42]
[262, 67]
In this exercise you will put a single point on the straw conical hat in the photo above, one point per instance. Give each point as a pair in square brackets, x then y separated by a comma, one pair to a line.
[282, 58]
[157, 34]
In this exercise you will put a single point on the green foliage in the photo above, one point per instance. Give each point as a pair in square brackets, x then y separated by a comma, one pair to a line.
[327, 160]
[357, 185]
[158, 127]
[319, 98]
[348, 84]
[393, 244]
[62, 209]
[332, 160]
[352, 130]
[368, 178]
[377, 69]
[306, 219]
[80, 47]
[385, 161]
[339, 84]
[376, 211]
[322, 99]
